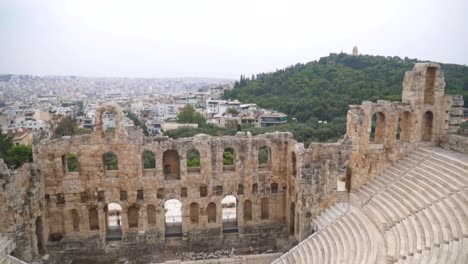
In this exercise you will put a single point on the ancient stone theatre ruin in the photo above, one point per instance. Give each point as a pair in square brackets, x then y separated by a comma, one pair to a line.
[393, 190]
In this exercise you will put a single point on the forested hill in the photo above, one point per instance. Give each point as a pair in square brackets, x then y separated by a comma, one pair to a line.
[323, 89]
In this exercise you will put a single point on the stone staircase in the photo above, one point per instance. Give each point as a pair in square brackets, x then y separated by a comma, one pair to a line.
[416, 211]
[6, 247]
[330, 215]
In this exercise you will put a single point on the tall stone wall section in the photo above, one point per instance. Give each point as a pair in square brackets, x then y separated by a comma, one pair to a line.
[423, 117]
[21, 204]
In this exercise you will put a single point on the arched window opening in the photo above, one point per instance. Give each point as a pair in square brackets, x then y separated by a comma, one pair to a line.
[70, 163]
[293, 164]
[240, 189]
[426, 126]
[247, 210]
[193, 161]
[254, 188]
[274, 187]
[292, 218]
[113, 221]
[229, 214]
[75, 220]
[111, 161]
[108, 122]
[173, 218]
[265, 208]
[132, 216]
[151, 212]
[171, 165]
[194, 213]
[405, 126]
[378, 123]
[264, 157]
[429, 85]
[228, 159]
[203, 191]
[211, 211]
[149, 160]
[93, 219]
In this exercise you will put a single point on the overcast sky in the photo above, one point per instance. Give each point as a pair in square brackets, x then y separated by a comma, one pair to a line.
[219, 38]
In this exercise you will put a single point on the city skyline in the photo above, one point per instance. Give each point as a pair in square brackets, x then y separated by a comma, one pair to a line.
[208, 39]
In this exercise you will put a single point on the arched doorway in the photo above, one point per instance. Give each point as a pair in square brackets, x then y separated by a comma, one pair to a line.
[39, 236]
[173, 218]
[229, 214]
[426, 126]
[378, 124]
[292, 219]
[114, 221]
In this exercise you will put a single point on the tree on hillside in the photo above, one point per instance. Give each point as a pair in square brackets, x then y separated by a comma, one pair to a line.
[137, 122]
[66, 127]
[18, 155]
[189, 115]
[6, 143]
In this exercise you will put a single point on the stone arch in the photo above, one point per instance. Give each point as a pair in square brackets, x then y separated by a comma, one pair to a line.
[378, 128]
[193, 160]
[113, 221]
[405, 126]
[265, 208]
[293, 164]
[194, 213]
[426, 126]
[211, 211]
[111, 162]
[75, 217]
[70, 163]
[149, 160]
[229, 214]
[429, 85]
[93, 219]
[173, 218]
[171, 165]
[132, 215]
[229, 159]
[247, 210]
[264, 157]
[151, 214]
[119, 119]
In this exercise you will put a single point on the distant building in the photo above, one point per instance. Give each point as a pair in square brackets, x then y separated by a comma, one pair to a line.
[219, 107]
[171, 126]
[272, 119]
[355, 51]
[24, 138]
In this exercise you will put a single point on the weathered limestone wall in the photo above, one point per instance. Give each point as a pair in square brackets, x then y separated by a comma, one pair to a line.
[457, 142]
[21, 204]
[247, 180]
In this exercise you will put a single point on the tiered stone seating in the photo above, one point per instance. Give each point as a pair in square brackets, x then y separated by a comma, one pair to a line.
[418, 206]
[350, 238]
